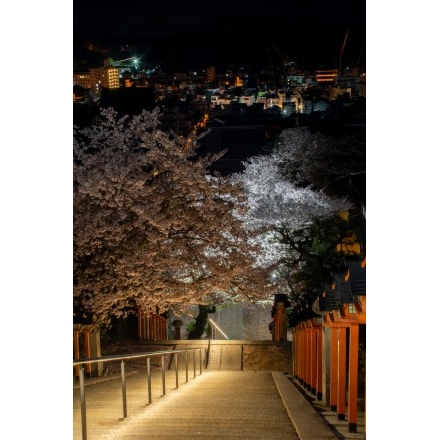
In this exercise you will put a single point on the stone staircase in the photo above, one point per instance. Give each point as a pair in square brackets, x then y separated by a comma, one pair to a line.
[214, 405]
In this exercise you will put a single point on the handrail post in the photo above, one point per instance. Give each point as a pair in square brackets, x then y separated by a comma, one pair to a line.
[177, 370]
[124, 390]
[149, 379]
[81, 372]
[163, 375]
[83, 403]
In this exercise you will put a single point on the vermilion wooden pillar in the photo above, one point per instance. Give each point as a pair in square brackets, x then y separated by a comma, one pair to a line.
[319, 363]
[306, 357]
[155, 336]
[275, 335]
[150, 326]
[84, 331]
[296, 353]
[303, 354]
[76, 351]
[313, 355]
[307, 360]
[140, 320]
[87, 351]
[334, 369]
[159, 328]
[144, 326]
[164, 329]
[281, 322]
[342, 347]
[353, 377]
[305, 351]
[300, 353]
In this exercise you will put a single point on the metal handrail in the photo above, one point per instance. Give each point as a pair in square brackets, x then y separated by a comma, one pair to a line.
[217, 327]
[123, 357]
[127, 356]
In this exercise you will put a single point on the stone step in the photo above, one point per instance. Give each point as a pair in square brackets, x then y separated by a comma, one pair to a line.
[215, 404]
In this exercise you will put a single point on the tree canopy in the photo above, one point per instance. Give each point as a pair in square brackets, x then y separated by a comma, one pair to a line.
[322, 162]
[154, 228]
[298, 227]
[151, 227]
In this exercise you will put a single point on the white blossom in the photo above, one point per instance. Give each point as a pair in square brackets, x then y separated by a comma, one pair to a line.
[274, 202]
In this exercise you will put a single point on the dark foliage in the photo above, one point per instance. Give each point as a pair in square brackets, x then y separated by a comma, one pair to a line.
[316, 252]
[201, 321]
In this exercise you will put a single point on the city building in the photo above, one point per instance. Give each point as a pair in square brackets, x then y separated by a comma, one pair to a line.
[210, 74]
[326, 75]
[94, 79]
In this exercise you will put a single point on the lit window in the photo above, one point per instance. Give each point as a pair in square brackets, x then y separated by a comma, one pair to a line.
[351, 308]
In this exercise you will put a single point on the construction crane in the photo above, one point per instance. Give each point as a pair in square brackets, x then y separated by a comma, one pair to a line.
[358, 60]
[119, 63]
[341, 52]
[284, 59]
[270, 62]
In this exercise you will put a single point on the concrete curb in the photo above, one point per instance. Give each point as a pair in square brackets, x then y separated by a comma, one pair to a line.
[306, 421]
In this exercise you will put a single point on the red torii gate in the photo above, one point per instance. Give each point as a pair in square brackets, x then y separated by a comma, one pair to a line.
[152, 326]
[279, 323]
[344, 321]
[344, 326]
[307, 359]
[86, 344]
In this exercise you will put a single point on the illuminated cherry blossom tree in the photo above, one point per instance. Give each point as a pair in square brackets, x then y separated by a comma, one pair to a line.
[152, 227]
[284, 218]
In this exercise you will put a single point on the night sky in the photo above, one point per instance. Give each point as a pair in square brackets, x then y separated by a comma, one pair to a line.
[193, 34]
[135, 19]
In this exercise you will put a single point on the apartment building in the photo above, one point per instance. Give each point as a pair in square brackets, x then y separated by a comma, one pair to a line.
[95, 78]
[82, 78]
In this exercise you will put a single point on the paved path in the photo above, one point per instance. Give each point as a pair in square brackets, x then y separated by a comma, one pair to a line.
[214, 404]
